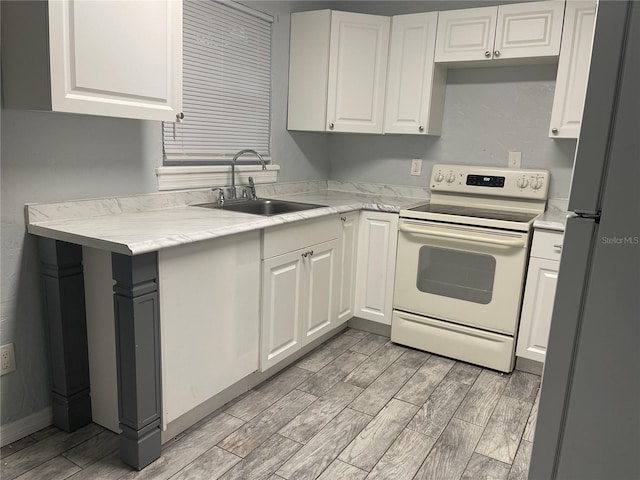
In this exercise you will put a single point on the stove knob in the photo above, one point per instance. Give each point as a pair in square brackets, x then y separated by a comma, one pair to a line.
[439, 177]
[522, 182]
[450, 177]
[537, 183]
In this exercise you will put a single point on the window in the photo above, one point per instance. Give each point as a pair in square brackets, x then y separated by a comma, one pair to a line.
[226, 87]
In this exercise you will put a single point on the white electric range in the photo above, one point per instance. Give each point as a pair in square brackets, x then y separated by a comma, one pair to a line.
[462, 261]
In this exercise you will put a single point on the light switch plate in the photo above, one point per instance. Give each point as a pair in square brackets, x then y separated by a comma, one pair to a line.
[416, 167]
[515, 159]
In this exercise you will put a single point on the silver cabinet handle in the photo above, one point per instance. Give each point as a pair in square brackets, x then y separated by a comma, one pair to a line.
[496, 53]
[331, 125]
[421, 128]
[558, 246]
[179, 116]
[554, 131]
[310, 252]
[305, 254]
[487, 54]
[344, 219]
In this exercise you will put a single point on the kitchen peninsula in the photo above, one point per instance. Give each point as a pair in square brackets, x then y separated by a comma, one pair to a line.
[132, 234]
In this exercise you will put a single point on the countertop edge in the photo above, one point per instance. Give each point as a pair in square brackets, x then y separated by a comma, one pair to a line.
[254, 222]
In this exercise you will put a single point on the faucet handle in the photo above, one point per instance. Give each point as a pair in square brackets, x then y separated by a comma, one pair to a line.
[220, 194]
[252, 189]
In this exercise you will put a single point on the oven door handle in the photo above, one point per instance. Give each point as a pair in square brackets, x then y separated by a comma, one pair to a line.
[405, 227]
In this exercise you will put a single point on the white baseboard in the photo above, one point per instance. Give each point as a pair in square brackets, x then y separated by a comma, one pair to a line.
[11, 432]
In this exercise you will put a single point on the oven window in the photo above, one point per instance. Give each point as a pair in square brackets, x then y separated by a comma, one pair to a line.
[455, 274]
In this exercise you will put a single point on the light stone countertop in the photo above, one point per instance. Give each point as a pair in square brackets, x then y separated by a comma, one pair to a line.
[146, 223]
[555, 217]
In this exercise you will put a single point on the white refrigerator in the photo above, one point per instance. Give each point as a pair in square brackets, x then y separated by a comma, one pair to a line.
[589, 414]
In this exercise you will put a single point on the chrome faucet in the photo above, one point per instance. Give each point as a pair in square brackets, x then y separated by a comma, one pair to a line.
[233, 168]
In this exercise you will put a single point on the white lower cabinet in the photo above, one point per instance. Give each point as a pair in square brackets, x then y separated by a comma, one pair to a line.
[281, 316]
[539, 295]
[300, 288]
[209, 318]
[347, 256]
[375, 275]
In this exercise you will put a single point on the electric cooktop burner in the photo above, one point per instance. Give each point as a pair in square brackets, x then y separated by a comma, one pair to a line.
[475, 212]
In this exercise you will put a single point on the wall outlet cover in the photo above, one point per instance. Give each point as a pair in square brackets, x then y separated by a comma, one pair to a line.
[7, 359]
[515, 159]
[416, 167]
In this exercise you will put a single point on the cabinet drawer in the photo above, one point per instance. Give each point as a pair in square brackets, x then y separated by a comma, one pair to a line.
[287, 238]
[547, 244]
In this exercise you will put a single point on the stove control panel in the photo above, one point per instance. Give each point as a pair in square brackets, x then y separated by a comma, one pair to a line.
[498, 182]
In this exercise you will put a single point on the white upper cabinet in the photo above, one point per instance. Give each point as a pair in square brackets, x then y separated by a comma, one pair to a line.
[415, 85]
[525, 30]
[98, 57]
[337, 71]
[357, 72]
[573, 69]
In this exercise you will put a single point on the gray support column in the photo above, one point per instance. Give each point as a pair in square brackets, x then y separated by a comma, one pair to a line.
[63, 294]
[137, 320]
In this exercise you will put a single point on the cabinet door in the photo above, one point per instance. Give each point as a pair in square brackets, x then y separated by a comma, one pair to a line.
[377, 244]
[537, 309]
[357, 72]
[281, 298]
[465, 35]
[320, 290]
[573, 69]
[209, 318]
[529, 30]
[121, 59]
[412, 88]
[347, 266]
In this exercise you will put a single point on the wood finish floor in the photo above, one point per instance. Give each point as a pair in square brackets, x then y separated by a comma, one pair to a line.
[356, 407]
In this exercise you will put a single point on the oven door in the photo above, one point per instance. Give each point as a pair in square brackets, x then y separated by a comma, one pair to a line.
[467, 275]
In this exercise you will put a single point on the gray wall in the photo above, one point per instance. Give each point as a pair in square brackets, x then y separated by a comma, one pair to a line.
[47, 157]
[487, 113]
[301, 155]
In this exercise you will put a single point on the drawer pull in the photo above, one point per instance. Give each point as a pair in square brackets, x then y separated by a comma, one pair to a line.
[558, 246]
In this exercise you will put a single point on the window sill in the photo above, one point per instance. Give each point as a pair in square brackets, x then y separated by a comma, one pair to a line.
[179, 178]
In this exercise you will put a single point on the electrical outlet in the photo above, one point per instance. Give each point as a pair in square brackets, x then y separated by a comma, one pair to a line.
[416, 167]
[7, 359]
[515, 159]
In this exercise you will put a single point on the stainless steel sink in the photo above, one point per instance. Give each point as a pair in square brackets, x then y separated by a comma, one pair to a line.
[263, 206]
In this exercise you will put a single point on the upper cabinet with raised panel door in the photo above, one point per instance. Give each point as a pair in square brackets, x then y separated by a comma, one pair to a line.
[337, 71]
[527, 31]
[573, 69]
[415, 85]
[99, 57]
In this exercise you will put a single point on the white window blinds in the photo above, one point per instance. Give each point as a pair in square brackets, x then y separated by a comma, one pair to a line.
[227, 84]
